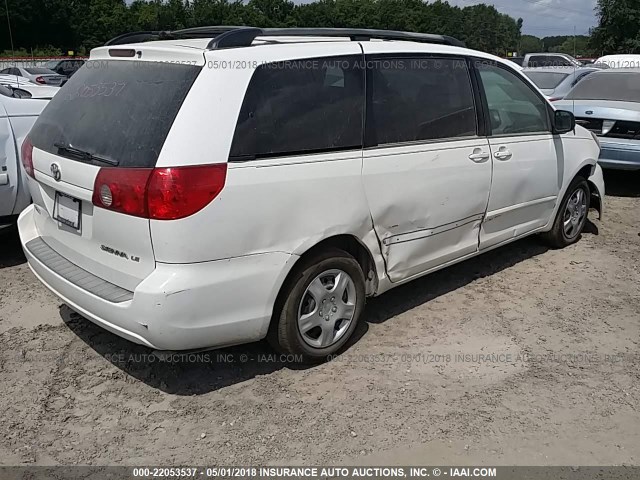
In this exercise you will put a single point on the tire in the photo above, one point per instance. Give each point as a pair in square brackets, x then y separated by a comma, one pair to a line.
[558, 236]
[330, 317]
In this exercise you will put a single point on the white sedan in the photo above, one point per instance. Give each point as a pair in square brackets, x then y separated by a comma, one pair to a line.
[39, 75]
[17, 115]
[24, 85]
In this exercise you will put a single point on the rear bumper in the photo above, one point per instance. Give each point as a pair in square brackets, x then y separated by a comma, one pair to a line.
[179, 307]
[620, 156]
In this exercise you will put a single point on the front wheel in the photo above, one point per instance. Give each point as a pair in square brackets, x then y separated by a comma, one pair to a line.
[320, 306]
[571, 217]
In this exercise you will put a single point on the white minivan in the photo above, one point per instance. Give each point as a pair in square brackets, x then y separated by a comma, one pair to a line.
[217, 186]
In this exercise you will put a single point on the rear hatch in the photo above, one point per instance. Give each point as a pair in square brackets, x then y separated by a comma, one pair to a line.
[113, 117]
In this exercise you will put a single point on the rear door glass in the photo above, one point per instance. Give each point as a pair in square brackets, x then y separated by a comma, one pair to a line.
[417, 99]
[120, 110]
[301, 106]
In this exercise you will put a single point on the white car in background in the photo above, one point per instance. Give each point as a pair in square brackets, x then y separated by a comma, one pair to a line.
[325, 172]
[39, 75]
[620, 61]
[17, 115]
[32, 90]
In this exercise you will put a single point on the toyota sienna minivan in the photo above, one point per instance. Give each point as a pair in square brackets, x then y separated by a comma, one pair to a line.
[215, 186]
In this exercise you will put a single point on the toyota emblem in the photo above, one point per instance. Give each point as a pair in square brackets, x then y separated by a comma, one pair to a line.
[589, 112]
[55, 171]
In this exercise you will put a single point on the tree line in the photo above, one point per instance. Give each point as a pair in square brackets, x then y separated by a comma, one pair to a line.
[80, 25]
[45, 27]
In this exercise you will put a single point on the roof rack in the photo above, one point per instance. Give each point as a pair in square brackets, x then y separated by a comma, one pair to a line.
[235, 36]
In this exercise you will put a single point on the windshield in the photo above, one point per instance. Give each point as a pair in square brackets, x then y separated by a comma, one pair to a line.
[609, 86]
[39, 71]
[51, 64]
[546, 80]
[120, 112]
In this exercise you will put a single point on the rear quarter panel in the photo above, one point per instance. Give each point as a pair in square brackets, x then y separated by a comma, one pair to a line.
[286, 204]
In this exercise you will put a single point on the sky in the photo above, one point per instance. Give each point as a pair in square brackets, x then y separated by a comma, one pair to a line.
[546, 18]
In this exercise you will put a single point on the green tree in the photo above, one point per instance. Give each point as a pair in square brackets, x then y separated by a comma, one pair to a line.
[578, 46]
[618, 30]
[84, 24]
[530, 44]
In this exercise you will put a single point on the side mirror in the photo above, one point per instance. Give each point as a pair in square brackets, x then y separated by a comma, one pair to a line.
[563, 122]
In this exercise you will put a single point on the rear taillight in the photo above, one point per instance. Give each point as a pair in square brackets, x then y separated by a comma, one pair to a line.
[122, 190]
[168, 193]
[27, 157]
[174, 193]
[40, 80]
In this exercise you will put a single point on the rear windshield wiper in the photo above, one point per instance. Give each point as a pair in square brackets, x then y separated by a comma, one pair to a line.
[82, 155]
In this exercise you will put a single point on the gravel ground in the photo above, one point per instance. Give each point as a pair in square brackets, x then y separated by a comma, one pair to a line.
[522, 356]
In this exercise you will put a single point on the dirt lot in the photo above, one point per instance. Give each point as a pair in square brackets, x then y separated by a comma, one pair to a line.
[551, 374]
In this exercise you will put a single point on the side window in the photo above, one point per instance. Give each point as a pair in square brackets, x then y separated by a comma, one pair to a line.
[514, 108]
[580, 78]
[299, 106]
[5, 71]
[537, 61]
[416, 99]
[15, 71]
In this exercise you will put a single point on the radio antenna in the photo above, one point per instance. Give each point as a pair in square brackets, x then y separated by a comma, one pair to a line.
[6, 6]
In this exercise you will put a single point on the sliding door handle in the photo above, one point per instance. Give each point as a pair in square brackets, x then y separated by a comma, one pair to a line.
[503, 154]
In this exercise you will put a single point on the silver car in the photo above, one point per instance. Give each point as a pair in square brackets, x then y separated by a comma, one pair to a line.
[557, 82]
[608, 103]
[39, 75]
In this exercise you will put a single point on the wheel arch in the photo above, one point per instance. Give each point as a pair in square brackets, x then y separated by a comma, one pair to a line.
[585, 170]
[346, 242]
[596, 196]
[353, 246]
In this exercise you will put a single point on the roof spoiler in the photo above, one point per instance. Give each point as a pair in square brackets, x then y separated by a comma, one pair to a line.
[235, 37]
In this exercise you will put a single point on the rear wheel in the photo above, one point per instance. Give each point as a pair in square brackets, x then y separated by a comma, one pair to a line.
[571, 217]
[319, 306]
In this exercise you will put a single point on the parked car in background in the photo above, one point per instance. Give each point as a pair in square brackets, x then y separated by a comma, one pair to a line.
[556, 82]
[620, 61]
[65, 66]
[17, 115]
[517, 60]
[14, 80]
[323, 182]
[534, 60]
[608, 103]
[39, 75]
[26, 89]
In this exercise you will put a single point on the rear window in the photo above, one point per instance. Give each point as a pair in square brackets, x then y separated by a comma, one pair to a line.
[121, 111]
[301, 106]
[609, 86]
[546, 80]
[38, 71]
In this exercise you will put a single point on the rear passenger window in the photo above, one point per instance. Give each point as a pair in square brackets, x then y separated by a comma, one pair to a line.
[417, 99]
[301, 106]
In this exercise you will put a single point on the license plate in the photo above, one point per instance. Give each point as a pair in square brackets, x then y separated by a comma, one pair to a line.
[66, 210]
